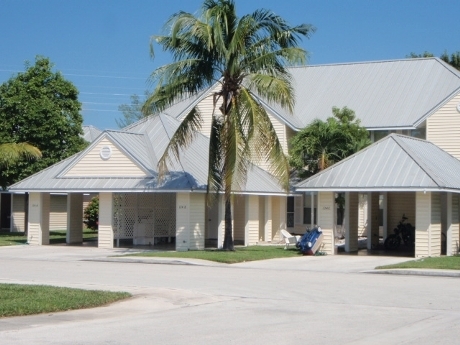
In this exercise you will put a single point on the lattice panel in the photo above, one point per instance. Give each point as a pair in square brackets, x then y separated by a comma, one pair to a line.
[153, 212]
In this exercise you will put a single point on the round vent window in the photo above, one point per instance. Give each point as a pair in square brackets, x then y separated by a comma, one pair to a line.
[106, 152]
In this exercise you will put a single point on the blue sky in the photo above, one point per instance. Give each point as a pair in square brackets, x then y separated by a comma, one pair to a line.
[102, 46]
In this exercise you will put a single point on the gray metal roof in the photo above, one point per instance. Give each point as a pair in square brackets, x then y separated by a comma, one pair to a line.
[144, 145]
[396, 162]
[383, 94]
[90, 133]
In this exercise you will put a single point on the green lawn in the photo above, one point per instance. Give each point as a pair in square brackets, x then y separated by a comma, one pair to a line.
[12, 238]
[19, 300]
[443, 262]
[241, 254]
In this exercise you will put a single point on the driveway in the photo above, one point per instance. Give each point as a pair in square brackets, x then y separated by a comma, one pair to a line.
[318, 300]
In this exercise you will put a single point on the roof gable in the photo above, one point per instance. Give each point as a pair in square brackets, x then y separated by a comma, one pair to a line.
[396, 162]
[105, 158]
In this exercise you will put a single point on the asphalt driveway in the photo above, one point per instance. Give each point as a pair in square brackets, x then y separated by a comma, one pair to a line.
[318, 300]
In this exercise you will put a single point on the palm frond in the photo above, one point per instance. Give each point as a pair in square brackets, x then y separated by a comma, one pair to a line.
[181, 139]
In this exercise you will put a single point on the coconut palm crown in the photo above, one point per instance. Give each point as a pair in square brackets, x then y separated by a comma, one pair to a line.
[242, 57]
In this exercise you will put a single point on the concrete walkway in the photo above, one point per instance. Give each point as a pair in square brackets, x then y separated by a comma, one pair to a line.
[319, 300]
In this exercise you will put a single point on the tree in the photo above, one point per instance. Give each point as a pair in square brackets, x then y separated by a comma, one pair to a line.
[10, 153]
[91, 214]
[131, 112]
[323, 143]
[452, 59]
[245, 56]
[41, 108]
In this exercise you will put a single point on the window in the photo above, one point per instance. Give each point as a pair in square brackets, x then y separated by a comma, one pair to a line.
[290, 212]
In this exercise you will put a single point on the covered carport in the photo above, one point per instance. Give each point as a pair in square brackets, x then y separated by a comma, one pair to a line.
[414, 177]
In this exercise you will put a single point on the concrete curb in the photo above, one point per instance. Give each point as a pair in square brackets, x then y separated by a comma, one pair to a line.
[157, 261]
[418, 272]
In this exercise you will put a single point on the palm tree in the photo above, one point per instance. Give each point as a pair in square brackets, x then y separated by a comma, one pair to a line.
[245, 56]
[10, 153]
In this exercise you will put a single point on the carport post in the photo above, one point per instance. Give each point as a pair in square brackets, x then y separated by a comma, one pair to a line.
[39, 219]
[105, 230]
[326, 219]
[372, 220]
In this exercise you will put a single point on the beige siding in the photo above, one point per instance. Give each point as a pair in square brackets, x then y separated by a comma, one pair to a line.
[105, 231]
[58, 212]
[74, 214]
[422, 224]
[239, 217]
[39, 207]
[197, 220]
[206, 108]
[117, 165]
[18, 214]
[400, 203]
[443, 127]
[326, 208]
[252, 220]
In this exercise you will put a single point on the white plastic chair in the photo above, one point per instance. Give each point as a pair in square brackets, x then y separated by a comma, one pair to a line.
[289, 239]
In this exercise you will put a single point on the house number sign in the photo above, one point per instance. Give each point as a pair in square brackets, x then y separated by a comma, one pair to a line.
[182, 207]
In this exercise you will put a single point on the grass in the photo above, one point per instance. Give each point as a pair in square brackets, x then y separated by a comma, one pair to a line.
[59, 236]
[443, 262]
[241, 254]
[19, 300]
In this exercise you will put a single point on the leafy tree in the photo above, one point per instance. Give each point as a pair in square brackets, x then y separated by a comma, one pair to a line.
[10, 153]
[91, 214]
[131, 112]
[323, 143]
[452, 59]
[243, 55]
[41, 108]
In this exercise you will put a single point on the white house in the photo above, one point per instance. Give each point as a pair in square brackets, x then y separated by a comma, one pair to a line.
[415, 97]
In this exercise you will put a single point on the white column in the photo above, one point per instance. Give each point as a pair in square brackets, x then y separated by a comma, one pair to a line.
[197, 220]
[251, 231]
[312, 210]
[105, 230]
[182, 221]
[326, 219]
[74, 218]
[427, 224]
[268, 219]
[385, 214]
[39, 219]
[221, 221]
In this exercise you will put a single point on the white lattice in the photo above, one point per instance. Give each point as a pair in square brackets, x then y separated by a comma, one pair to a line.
[145, 215]
[165, 215]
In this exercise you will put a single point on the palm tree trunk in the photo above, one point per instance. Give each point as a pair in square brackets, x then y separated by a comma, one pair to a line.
[228, 237]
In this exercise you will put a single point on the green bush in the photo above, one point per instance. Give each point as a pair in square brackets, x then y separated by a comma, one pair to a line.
[91, 214]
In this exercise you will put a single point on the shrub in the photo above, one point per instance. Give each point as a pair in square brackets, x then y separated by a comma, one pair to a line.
[91, 214]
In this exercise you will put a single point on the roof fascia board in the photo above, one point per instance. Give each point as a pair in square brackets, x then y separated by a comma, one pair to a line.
[377, 189]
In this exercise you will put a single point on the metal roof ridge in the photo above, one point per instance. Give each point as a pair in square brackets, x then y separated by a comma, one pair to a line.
[416, 159]
[368, 62]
